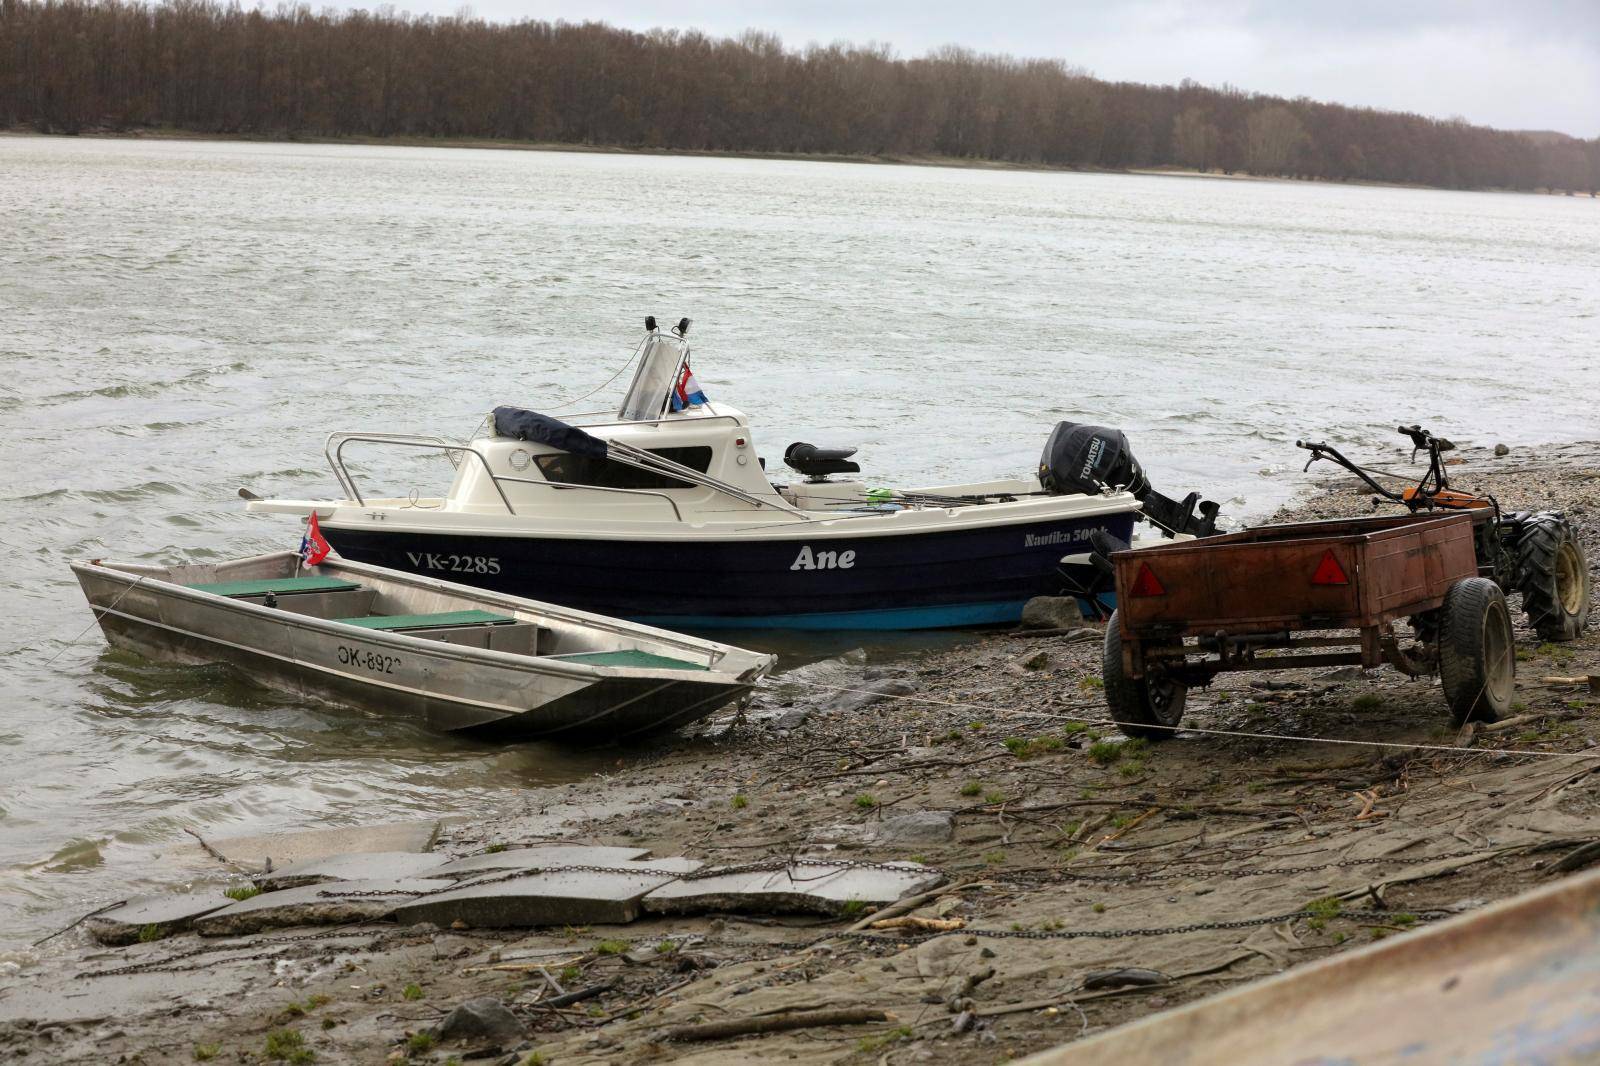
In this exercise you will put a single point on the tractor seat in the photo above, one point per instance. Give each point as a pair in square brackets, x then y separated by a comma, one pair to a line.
[815, 462]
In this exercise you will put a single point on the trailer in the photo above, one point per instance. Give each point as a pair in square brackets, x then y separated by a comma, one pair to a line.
[1397, 589]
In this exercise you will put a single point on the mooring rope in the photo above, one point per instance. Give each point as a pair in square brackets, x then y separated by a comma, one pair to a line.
[1444, 749]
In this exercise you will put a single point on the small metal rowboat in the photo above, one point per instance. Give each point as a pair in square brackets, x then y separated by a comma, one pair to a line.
[466, 659]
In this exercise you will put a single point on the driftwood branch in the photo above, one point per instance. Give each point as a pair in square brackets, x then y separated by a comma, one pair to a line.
[775, 1023]
[911, 903]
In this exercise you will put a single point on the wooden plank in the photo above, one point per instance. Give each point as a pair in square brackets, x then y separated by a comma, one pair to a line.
[1513, 982]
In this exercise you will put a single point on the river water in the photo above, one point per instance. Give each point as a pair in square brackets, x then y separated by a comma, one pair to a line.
[179, 319]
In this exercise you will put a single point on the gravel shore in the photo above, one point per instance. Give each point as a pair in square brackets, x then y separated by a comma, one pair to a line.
[1250, 845]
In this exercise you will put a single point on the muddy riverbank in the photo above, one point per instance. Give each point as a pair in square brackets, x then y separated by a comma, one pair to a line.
[1248, 845]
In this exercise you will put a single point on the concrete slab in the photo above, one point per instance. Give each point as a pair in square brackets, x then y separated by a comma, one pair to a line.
[548, 855]
[323, 904]
[820, 889]
[154, 917]
[286, 849]
[360, 866]
[547, 899]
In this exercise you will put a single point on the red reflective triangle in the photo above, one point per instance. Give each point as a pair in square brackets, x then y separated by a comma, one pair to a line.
[1329, 572]
[1146, 583]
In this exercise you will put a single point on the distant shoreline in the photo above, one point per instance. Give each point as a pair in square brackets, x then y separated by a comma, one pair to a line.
[949, 162]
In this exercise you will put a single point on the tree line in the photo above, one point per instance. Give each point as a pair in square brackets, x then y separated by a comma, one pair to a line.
[71, 66]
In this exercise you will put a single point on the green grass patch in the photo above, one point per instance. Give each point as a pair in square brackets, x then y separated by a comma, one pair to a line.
[994, 795]
[494, 849]
[1099, 908]
[869, 1044]
[1072, 729]
[152, 932]
[412, 991]
[866, 800]
[1322, 910]
[206, 1052]
[1367, 701]
[971, 788]
[242, 892]
[1104, 753]
[570, 974]
[1028, 747]
[419, 1043]
[739, 803]
[995, 858]
[611, 947]
[288, 1045]
[853, 908]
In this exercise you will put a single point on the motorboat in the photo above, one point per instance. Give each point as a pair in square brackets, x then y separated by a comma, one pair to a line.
[663, 511]
[466, 659]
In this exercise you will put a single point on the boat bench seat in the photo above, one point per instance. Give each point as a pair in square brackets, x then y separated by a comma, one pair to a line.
[441, 620]
[277, 586]
[634, 658]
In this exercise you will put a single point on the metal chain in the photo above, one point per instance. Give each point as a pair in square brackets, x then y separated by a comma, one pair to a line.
[1183, 875]
[763, 866]
[164, 965]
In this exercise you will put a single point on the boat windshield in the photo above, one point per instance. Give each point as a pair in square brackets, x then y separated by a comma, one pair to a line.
[659, 363]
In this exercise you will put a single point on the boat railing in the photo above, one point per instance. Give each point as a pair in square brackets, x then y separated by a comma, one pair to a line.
[334, 450]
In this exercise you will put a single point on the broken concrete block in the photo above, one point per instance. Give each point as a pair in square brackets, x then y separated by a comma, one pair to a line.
[808, 889]
[532, 858]
[918, 827]
[286, 849]
[360, 866]
[483, 1019]
[571, 898]
[154, 917]
[323, 904]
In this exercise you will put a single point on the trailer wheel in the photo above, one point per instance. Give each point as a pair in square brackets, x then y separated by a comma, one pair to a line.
[1143, 709]
[1553, 576]
[1477, 661]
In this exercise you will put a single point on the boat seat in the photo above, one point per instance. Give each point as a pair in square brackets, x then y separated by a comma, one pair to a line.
[441, 620]
[277, 586]
[632, 658]
[815, 462]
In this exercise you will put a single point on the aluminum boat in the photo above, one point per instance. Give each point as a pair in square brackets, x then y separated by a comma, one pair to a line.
[466, 659]
[662, 511]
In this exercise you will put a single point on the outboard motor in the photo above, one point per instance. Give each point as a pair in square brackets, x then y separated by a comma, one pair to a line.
[1095, 459]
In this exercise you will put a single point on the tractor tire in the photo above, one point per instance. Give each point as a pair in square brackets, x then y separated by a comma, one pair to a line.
[1477, 659]
[1143, 709]
[1553, 576]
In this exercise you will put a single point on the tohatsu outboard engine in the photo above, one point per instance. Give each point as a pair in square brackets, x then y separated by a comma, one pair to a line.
[1095, 459]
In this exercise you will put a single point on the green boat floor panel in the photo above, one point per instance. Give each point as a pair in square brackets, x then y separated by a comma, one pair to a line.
[632, 658]
[430, 621]
[279, 586]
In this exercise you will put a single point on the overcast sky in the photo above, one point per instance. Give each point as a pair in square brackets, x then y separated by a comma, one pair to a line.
[1517, 64]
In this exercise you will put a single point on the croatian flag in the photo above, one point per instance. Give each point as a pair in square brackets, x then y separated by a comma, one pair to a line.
[313, 547]
[686, 393]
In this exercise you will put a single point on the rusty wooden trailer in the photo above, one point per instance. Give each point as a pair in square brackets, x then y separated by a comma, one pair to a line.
[1285, 596]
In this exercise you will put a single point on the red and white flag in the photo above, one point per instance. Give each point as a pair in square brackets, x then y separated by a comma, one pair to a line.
[313, 546]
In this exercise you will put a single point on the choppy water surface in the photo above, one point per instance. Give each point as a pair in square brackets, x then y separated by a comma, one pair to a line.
[180, 319]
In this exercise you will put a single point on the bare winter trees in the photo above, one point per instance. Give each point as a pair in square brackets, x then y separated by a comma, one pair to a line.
[73, 65]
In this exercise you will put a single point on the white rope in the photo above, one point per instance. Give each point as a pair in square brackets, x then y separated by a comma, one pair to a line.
[608, 380]
[1397, 745]
[98, 615]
